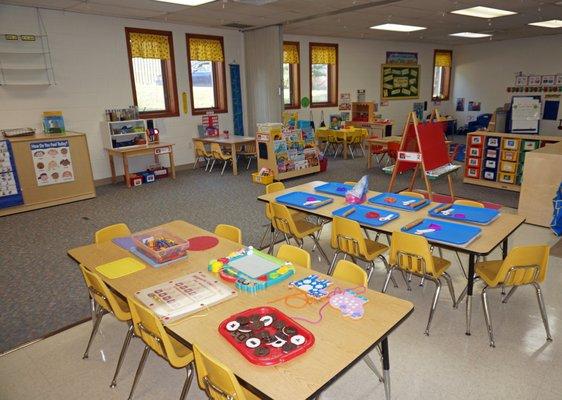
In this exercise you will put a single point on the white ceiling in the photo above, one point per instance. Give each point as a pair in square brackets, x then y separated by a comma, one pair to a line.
[336, 18]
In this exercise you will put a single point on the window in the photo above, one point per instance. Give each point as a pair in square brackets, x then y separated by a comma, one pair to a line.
[442, 65]
[323, 75]
[153, 73]
[207, 75]
[291, 75]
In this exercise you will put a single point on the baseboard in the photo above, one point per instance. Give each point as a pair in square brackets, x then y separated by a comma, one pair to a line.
[107, 181]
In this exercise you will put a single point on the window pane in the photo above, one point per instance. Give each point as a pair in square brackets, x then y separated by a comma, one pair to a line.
[319, 83]
[202, 82]
[149, 84]
[286, 84]
[437, 79]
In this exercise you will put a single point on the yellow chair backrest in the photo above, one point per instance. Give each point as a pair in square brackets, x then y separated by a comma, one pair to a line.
[272, 188]
[341, 135]
[152, 332]
[229, 232]
[295, 255]
[523, 265]
[350, 272]
[462, 202]
[282, 219]
[200, 149]
[412, 194]
[216, 151]
[348, 237]
[250, 148]
[104, 296]
[216, 379]
[321, 135]
[411, 252]
[111, 232]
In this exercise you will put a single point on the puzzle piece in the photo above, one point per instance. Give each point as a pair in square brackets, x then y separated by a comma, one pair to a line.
[313, 286]
[349, 303]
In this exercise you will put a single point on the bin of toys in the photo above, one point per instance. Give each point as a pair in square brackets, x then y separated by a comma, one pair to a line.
[135, 180]
[323, 163]
[160, 245]
[264, 176]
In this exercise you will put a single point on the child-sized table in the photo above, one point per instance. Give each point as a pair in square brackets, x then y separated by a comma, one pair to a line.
[366, 215]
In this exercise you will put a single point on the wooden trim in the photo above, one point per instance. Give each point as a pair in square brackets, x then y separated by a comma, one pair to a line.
[219, 75]
[333, 80]
[445, 85]
[168, 76]
[294, 80]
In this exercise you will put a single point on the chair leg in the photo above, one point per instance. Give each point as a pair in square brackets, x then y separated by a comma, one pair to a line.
[371, 364]
[509, 294]
[128, 337]
[267, 230]
[543, 311]
[249, 162]
[433, 305]
[207, 164]
[196, 163]
[212, 165]
[140, 368]
[98, 316]
[451, 288]
[272, 242]
[333, 264]
[387, 279]
[223, 167]
[487, 316]
[320, 249]
[188, 380]
[383, 258]
[370, 270]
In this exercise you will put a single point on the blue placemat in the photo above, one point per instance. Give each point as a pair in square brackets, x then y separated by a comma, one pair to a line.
[477, 215]
[366, 215]
[125, 242]
[398, 200]
[445, 232]
[304, 200]
[334, 188]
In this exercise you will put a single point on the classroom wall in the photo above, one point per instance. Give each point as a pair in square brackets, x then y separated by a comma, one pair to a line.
[92, 72]
[360, 68]
[484, 71]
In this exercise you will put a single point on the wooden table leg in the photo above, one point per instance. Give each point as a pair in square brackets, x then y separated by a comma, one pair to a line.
[172, 165]
[234, 160]
[126, 170]
[112, 167]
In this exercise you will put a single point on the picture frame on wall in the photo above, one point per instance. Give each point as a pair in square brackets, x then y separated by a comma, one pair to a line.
[548, 80]
[521, 80]
[535, 80]
[558, 80]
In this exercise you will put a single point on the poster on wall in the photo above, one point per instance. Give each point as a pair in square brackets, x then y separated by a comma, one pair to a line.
[460, 104]
[535, 80]
[52, 162]
[345, 102]
[474, 106]
[558, 80]
[521, 80]
[401, 57]
[548, 80]
[399, 82]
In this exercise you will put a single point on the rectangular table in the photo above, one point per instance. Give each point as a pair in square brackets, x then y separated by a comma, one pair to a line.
[232, 142]
[339, 342]
[493, 235]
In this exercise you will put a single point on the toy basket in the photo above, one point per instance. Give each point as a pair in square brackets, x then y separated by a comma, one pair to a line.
[263, 179]
[144, 239]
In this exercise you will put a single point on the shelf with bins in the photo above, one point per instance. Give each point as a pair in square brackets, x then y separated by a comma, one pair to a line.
[119, 134]
[497, 160]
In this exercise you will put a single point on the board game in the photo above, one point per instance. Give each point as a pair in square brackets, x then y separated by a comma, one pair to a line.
[366, 215]
[251, 270]
[266, 336]
[186, 295]
[400, 201]
[334, 188]
[309, 201]
[476, 215]
[443, 232]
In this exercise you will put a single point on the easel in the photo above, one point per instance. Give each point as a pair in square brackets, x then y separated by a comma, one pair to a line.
[423, 147]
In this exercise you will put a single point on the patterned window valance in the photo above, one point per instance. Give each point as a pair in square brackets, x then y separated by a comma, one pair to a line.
[146, 45]
[205, 49]
[323, 55]
[443, 59]
[291, 53]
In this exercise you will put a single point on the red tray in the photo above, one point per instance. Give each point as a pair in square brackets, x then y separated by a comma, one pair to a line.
[263, 340]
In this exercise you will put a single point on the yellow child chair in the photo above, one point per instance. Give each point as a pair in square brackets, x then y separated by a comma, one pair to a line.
[218, 154]
[201, 153]
[348, 239]
[411, 254]
[322, 138]
[295, 255]
[284, 222]
[248, 151]
[524, 265]
[229, 232]
[217, 380]
[355, 139]
[106, 302]
[149, 328]
[111, 232]
[339, 140]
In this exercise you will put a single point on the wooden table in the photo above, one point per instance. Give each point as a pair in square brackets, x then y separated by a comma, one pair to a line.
[231, 141]
[379, 141]
[384, 128]
[493, 235]
[339, 342]
[133, 151]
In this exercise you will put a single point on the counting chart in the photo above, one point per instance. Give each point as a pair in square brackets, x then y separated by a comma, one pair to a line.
[179, 297]
[255, 264]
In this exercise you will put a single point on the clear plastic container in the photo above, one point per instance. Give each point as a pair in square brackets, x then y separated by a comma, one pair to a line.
[160, 245]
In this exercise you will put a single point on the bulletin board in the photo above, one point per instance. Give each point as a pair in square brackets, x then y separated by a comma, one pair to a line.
[400, 82]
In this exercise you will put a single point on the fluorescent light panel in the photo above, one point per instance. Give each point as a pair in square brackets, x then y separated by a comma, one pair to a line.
[553, 23]
[187, 2]
[471, 35]
[483, 12]
[398, 27]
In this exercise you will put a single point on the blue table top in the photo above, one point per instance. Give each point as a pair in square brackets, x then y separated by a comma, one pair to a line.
[399, 201]
[367, 215]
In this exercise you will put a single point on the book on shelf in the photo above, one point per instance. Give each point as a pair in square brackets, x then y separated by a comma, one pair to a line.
[53, 122]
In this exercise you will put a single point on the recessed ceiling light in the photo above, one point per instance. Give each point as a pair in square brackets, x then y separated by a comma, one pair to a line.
[472, 35]
[483, 12]
[398, 27]
[187, 2]
[553, 23]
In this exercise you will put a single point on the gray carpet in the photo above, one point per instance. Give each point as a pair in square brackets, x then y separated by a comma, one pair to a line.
[42, 289]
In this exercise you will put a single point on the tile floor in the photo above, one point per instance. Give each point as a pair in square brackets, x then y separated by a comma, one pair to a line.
[446, 365]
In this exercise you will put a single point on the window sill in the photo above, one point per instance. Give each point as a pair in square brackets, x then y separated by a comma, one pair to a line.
[203, 111]
[318, 105]
[158, 114]
[292, 106]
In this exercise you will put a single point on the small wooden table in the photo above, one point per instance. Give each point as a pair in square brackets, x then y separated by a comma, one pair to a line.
[231, 141]
[132, 151]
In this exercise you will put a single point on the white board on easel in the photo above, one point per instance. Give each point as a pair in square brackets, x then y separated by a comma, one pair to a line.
[525, 114]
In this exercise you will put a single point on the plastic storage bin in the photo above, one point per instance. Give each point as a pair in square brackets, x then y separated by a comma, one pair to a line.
[510, 144]
[490, 174]
[491, 164]
[510, 155]
[472, 173]
[493, 141]
[263, 179]
[476, 140]
[509, 167]
[507, 178]
[160, 245]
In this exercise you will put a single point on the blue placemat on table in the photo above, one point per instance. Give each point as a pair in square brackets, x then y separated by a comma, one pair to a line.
[444, 232]
[128, 244]
[396, 200]
[125, 242]
[334, 188]
[461, 213]
[367, 215]
[303, 200]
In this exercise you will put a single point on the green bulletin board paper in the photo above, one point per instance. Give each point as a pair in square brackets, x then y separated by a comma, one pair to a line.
[400, 82]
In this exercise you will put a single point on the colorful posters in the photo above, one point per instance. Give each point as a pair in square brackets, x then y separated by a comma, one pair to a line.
[52, 162]
[399, 81]
[345, 102]
[401, 57]
[8, 179]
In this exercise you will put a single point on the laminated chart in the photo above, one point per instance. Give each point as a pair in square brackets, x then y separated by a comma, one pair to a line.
[400, 81]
